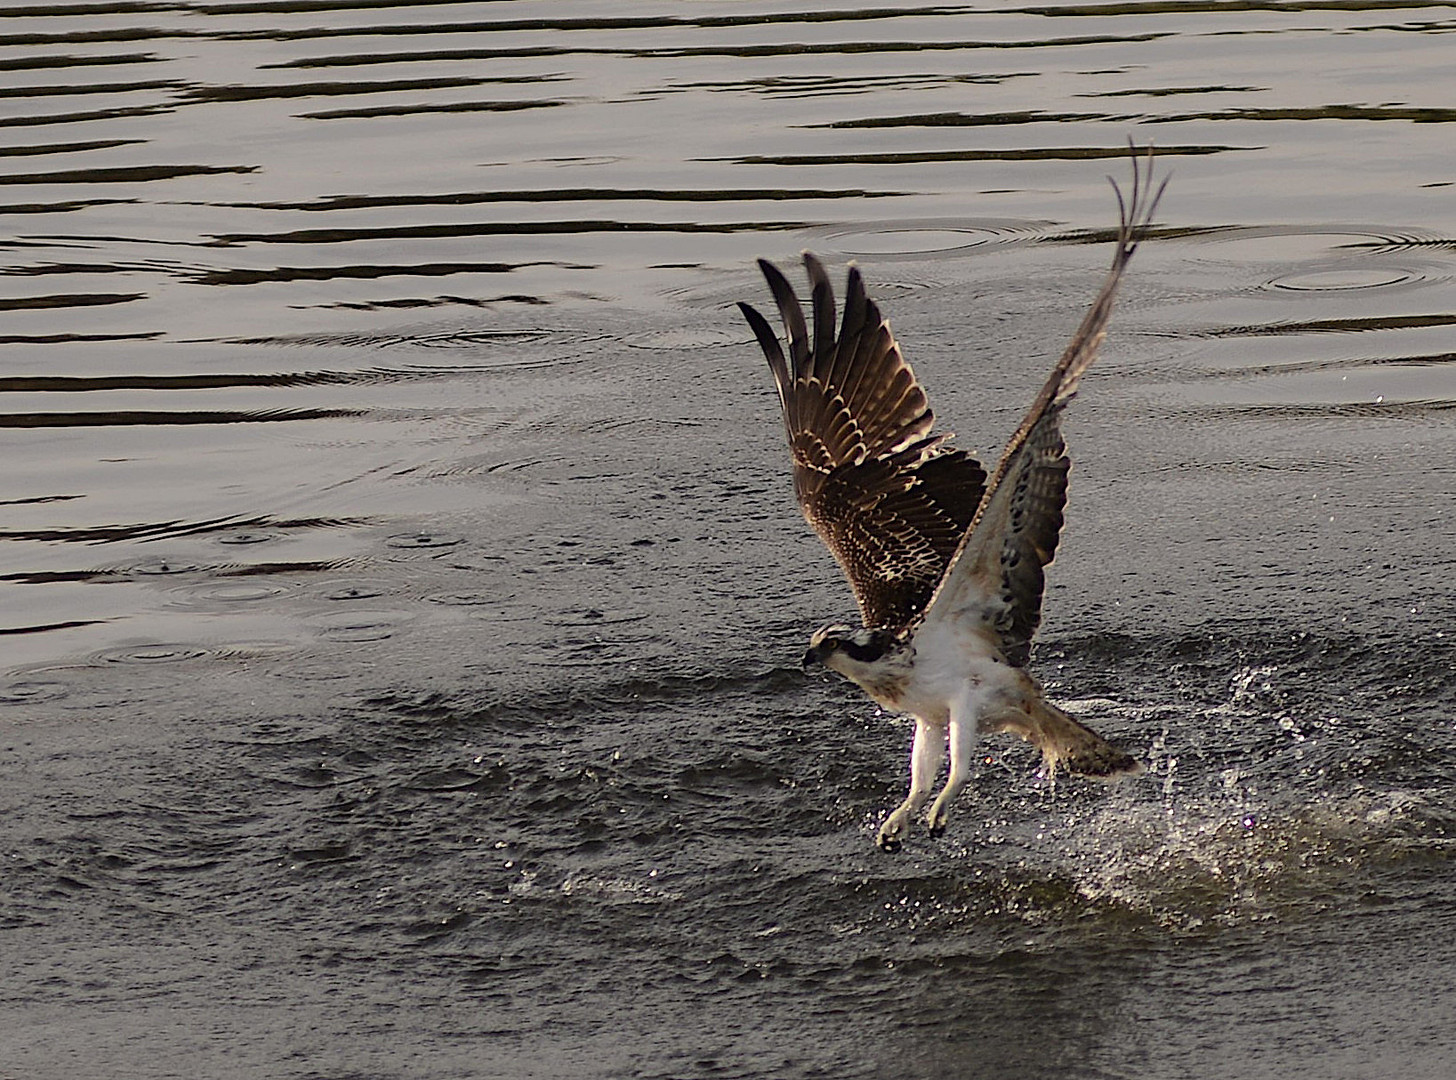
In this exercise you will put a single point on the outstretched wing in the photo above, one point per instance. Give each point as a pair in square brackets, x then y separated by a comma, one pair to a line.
[884, 492]
[996, 573]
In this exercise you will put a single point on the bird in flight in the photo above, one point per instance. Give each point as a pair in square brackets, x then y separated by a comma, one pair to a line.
[945, 562]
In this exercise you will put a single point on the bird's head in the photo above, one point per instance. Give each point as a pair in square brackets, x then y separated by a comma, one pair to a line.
[864, 655]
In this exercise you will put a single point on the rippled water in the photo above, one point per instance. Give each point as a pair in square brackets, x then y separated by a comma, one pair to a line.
[403, 587]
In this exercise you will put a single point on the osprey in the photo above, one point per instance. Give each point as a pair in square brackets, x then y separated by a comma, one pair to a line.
[945, 563]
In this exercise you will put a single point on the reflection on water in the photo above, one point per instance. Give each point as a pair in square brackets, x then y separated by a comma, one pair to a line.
[395, 508]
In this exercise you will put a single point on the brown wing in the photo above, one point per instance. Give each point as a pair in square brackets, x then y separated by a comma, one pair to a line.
[996, 574]
[887, 496]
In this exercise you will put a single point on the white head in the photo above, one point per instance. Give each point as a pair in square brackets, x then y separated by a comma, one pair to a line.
[874, 658]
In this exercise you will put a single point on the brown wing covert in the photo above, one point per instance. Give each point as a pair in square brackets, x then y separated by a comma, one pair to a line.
[887, 495]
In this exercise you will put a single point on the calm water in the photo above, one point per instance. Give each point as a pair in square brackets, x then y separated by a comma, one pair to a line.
[403, 589]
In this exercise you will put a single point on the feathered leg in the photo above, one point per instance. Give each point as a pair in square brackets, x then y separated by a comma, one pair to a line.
[926, 756]
[964, 729]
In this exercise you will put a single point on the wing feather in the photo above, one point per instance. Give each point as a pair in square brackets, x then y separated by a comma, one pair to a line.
[889, 498]
[996, 575]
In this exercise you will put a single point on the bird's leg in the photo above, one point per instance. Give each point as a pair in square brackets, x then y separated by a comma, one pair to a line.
[963, 732]
[926, 756]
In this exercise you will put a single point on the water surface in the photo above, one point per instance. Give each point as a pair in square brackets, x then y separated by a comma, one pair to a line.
[403, 589]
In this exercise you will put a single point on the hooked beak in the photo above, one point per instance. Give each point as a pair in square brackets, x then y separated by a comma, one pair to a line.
[811, 659]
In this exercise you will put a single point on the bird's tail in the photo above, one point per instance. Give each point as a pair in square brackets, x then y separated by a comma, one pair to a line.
[1066, 744]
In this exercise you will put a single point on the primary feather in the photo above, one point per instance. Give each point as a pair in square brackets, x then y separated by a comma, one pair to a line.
[889, 498]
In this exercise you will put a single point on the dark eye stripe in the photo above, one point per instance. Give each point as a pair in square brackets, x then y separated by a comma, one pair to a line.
[864, 653]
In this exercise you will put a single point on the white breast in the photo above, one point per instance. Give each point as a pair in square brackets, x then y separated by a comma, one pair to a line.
[949, 661]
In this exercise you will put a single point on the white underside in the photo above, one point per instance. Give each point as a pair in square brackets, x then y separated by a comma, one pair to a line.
[957, 685]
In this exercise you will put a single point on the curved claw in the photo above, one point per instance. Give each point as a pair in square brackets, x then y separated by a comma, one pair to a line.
[938, 817]
[892, 832]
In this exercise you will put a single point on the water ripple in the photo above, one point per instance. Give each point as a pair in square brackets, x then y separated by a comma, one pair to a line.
[1354, 324]
[166, 417]
[500, 228]
[923, 157]
[151, 653]
[1345, 280]
[909, 238]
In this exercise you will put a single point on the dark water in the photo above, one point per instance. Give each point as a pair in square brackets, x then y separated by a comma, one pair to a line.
[403, 590]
